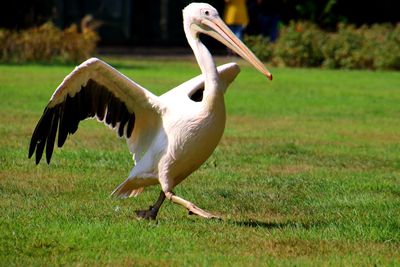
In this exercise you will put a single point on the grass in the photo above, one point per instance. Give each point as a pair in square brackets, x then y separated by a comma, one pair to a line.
[307, 173]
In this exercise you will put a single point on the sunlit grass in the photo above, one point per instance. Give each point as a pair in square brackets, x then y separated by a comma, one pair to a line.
[307, 173]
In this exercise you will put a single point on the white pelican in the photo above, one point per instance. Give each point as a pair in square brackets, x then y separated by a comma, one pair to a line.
[169, 136]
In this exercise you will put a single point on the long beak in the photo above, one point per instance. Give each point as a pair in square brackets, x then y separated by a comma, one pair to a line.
[222, 33]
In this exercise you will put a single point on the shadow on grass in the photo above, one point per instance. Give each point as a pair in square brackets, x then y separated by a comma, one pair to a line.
[256, 224]
[278, 225]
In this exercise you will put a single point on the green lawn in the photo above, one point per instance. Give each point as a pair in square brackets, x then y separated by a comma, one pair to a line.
[307, 173]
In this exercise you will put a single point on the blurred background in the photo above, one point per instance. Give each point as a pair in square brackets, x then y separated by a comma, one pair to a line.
[348, 34]
[159, 22]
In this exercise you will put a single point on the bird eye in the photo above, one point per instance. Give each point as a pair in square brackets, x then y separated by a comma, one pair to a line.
[207, 12]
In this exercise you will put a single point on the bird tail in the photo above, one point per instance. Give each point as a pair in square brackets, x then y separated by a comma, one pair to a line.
[133, 186]
[129, 188]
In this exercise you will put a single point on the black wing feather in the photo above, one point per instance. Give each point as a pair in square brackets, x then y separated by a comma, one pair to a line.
[125, 115]
[102, 103]
[65, 117]
[43, 134]
[52, 135]
[39, 133]
[116, 114]
[75, 114]
[92, 100]
[131, 124]
[110, 111]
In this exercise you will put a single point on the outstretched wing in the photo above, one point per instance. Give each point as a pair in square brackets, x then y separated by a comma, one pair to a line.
[194, 87]
[93, 89]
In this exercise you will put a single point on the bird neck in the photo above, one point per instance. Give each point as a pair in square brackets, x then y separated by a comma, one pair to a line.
[212, 94]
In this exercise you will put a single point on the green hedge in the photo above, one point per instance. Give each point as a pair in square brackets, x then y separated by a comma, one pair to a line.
[303, 44]
[47, 43]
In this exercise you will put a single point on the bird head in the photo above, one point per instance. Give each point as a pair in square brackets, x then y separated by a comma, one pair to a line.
[203, 18]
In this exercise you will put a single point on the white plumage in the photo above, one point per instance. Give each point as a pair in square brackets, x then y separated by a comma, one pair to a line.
[171, 135]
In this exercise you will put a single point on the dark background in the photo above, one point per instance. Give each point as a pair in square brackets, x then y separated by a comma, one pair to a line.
[159, 22]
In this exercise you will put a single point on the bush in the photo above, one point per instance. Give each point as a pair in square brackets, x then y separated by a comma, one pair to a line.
[38, 44]
[375, 47]
[387, 47]
[47, 43]
[299, 45]
[302, 44]
[6, 40]
[80, 46]
[260, 45]
[348, 48]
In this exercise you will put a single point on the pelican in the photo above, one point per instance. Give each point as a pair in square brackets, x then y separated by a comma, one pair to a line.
[170, 136]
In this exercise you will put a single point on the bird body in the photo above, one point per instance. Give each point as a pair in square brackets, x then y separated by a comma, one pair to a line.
[197, 133]
[170, 136]
[186, 137]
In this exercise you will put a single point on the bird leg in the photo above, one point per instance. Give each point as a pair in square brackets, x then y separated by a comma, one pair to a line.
[151, 213]
[192, 208]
